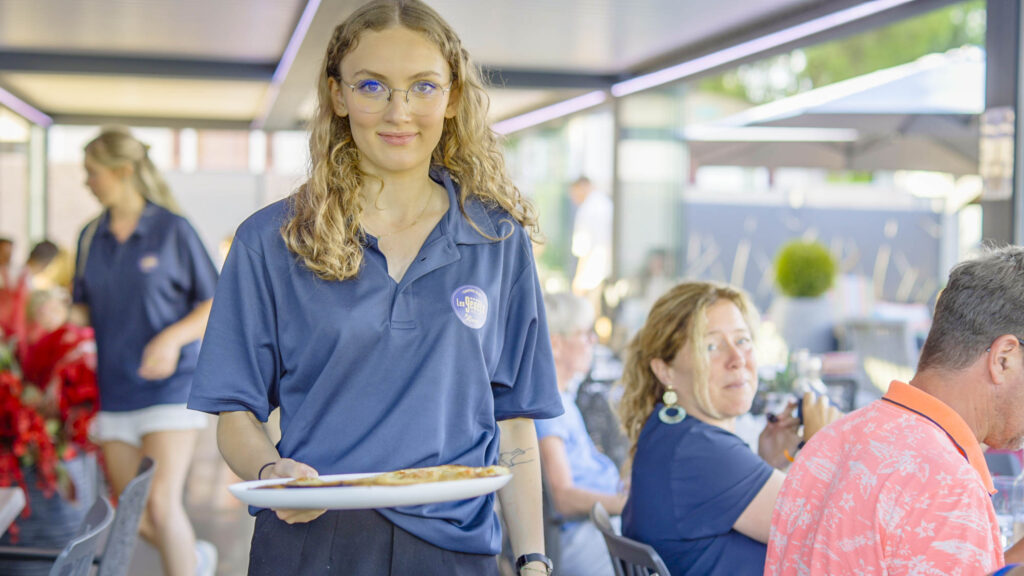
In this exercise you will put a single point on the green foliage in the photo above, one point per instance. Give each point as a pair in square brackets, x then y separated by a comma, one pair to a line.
[849, 177]
[804, 269]
[823, 64]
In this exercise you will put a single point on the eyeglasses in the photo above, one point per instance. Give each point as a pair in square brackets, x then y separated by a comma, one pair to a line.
[587, 334]
[423, 97]
[581, 335]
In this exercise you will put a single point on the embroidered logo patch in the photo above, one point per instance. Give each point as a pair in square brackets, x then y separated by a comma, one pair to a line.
[148, 263]
[470, 305]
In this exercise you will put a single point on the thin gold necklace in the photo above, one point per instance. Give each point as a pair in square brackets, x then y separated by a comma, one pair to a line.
[407, 226]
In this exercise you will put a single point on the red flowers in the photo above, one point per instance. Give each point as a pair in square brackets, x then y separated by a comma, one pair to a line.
[46, 423]
[23, 442]
[63, 364]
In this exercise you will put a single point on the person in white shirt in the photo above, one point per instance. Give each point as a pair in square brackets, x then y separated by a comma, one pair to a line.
[591, 239]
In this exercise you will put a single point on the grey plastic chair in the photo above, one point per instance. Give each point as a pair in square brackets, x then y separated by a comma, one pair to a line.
[552, 522]
[629, 557]
[75, 559]
[117, 553]
[890, 341]
[124, 531]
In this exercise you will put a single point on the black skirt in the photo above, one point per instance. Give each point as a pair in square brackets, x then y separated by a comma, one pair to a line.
[353, 543]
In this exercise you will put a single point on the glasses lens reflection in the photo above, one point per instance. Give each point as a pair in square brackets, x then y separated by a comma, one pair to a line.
[373, 96]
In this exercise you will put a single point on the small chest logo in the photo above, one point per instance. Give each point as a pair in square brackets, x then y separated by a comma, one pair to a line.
[470, 305]
[148, 263]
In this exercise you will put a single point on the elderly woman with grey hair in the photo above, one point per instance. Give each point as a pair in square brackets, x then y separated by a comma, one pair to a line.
[577, 474]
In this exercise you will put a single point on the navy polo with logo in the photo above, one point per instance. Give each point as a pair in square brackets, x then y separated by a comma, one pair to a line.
[134, 290]
[373, 375]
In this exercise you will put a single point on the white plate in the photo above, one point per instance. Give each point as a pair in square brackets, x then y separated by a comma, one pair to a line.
[354, 497]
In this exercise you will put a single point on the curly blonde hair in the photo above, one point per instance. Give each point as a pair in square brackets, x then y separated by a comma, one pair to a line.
[678, 319]
[325, 212]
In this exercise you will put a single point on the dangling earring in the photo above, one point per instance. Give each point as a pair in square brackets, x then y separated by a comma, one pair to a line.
[671, 412]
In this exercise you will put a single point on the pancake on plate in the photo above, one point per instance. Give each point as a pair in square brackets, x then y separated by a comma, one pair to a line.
[408, 476]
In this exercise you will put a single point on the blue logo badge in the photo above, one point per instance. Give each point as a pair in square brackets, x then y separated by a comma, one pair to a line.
[470, 305]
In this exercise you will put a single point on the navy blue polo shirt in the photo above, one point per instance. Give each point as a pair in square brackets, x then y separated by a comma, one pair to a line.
[134, 290]
[373, 375]
[691, 481]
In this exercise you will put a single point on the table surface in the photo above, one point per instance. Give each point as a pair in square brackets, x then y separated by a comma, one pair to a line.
[12, 500]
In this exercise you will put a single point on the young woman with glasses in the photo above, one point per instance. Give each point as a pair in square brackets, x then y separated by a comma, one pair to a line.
[390, 308]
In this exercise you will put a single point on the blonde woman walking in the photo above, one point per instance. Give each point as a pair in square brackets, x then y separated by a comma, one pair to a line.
[144, 282]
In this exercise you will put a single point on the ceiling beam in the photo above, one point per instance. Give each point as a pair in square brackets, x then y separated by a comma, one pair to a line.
[289, 93]
[24, 107]
[68, 64]
[79, 64]
[293, 84]
[151, 122]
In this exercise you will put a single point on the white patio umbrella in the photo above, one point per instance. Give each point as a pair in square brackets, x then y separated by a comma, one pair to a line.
[917, 116]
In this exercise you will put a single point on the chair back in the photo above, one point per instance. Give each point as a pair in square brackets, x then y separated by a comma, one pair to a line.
[603, 426]
[1003, 463]
[553, 521]
[629, 557]
[887, 348]
[124, 533]
[76, 558]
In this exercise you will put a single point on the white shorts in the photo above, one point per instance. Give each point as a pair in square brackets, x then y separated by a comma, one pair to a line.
[129, 427]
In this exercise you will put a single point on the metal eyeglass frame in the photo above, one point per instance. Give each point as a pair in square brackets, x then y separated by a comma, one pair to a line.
[391, 91]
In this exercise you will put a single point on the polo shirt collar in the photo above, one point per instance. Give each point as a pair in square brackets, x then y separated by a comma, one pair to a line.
[144, 225]
[918, 401]
[462, 232]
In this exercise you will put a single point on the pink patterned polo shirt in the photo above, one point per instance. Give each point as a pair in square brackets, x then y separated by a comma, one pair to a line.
[898, 487]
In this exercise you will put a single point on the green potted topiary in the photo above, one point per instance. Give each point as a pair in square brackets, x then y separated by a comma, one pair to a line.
[804, 269]
[804, 272]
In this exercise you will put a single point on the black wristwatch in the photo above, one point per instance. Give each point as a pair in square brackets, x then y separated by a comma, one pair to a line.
[527, 558]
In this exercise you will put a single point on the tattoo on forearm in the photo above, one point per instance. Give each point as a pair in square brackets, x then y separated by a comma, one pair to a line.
[515, 457]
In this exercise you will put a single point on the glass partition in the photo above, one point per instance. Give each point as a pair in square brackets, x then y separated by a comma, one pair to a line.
[867, 143]
[16, 136]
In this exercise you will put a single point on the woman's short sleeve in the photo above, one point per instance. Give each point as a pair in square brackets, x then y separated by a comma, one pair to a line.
[524, 383]
[715, 476]
[239, 363]
[201, 271]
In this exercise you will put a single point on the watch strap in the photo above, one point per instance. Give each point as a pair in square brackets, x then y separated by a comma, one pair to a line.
[534, 557]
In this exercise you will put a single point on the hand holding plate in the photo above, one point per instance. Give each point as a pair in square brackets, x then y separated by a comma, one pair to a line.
[288, 468]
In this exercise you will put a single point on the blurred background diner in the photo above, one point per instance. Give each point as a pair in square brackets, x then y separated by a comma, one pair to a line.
[698, 494]
[575, 473]
[833, 159]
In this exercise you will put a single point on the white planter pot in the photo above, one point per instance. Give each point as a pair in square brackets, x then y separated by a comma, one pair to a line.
[805, 323]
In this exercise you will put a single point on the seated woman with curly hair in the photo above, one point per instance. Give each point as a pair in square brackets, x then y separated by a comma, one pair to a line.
[698, 494]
